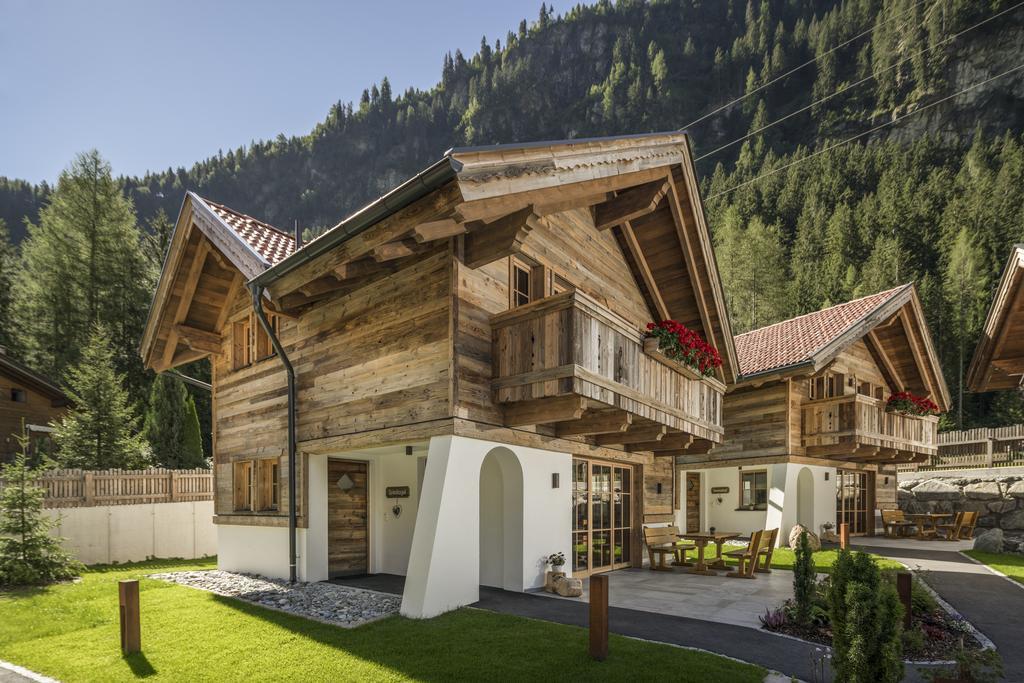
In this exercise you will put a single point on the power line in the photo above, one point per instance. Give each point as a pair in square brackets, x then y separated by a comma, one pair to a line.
[792, 71]
[857, 83]
[867, 132]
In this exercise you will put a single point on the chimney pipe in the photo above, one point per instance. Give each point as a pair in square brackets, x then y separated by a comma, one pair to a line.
[298, 236]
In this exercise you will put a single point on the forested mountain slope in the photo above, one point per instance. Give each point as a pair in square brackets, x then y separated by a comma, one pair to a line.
[889, 208]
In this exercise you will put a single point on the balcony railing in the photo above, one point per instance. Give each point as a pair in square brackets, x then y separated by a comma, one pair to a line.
[851, 424]
[571, 344]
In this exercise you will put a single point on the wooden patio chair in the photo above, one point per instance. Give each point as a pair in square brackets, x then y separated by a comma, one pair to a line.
[970, 521]
[961, 528]
[895, 523]
[662, 541]
[747, 557]
[763, 565]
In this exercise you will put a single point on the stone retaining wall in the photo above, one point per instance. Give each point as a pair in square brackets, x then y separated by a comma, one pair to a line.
[999, 499]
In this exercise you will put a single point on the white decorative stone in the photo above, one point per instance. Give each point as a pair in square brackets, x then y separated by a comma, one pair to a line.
[812, 539]
[983, 490]
[935, 489]
[569, 587]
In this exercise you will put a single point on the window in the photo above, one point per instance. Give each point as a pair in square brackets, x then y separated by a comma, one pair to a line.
[268, 489]
[18, 395]
[754, 490]
[559, 285]
[521, 283]
[250, 343]
[828, 385]
[244, 485]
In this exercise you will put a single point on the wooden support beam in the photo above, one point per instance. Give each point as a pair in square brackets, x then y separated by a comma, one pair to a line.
[629, 204]
[397, 249]
[545, 410]
[181, 311]
[363, 267]
[438, 230]
[489, 242]
[236, 284]
[875, 347]
[199, 340]
[923, 366]
[629, 236]
[633, 435]
[322, 285]
[187, 356]
[596, 422]
[674, 443]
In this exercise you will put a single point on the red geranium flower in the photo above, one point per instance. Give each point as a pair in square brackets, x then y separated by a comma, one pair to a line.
[680, 343]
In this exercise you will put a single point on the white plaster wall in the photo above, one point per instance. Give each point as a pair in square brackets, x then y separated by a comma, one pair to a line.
[259, 550]
[130, 533]
[724, 516]
[444, 567]
[492, 525]
[391, 536]
[312, 544]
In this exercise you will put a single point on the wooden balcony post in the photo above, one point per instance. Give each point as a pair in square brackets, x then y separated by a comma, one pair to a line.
[89, 488]
[904, 582]
[131, 633]
[844, 536]
[599, 617]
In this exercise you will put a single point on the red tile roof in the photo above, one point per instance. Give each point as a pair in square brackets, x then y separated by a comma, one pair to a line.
[798, 339]
[272, 244]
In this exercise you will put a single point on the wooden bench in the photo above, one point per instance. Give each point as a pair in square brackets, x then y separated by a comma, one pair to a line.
[662, 541]
[895, 523]
[763, 565]
[747, 557]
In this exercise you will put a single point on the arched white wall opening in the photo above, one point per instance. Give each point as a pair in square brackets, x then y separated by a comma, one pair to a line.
[501, 520]
[805, 498]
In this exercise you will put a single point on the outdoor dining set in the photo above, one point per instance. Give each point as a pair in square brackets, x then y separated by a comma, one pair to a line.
[756, 557]
[930, 526]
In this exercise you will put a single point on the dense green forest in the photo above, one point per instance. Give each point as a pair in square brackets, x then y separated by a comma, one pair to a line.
[935, 198]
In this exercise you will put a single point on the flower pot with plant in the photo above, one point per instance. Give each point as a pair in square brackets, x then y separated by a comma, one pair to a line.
[556, 561]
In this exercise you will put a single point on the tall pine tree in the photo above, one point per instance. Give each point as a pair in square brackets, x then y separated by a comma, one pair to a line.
[100, 431]
[172, 425]
[7, 263]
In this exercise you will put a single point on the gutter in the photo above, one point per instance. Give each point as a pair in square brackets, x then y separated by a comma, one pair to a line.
[257, 304]
[417, 187]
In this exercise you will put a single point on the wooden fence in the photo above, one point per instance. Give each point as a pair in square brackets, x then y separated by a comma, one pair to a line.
[87, 488]
[976, 449]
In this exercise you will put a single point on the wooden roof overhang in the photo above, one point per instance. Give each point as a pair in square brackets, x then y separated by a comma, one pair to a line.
[998, 362]
[643, 187]
[205, 267]
[896, 333]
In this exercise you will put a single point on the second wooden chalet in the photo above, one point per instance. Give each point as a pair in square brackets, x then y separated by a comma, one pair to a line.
[452, 384]
[28, 401]
[998, 363]
[823, 409]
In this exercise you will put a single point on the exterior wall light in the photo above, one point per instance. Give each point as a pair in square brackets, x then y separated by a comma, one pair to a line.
[826, 476]
[554, 480]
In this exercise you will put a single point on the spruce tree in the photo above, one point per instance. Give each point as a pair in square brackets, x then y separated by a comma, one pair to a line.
[7, 263]
[172, 425]
[804, 577]
[100, 431]
[29, 553]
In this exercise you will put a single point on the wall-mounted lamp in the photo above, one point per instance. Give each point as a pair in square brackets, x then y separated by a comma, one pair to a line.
[659, 487]
[826, 476]
[554, 480]
[408, 450]
[886, 482]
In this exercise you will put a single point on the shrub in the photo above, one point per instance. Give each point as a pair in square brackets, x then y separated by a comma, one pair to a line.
[866, 622]
[804, 580]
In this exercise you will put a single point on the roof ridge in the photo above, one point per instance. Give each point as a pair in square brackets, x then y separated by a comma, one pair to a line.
[822, 310]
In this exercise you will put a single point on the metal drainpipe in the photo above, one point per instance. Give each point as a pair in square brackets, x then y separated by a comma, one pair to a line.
[257, 304]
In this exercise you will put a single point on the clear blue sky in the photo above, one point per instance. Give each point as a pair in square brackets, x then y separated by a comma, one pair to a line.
[158, 83]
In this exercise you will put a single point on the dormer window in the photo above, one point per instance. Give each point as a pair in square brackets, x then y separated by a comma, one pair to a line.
[250, 343]
[521, 283]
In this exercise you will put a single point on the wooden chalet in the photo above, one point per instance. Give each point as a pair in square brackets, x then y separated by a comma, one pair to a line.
[29, 400]
[808, 438]
[998, 362]
[478, 329]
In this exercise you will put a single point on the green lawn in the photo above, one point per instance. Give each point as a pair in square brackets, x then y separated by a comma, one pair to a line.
[70, 632]
[1011, 565]
[784, 558]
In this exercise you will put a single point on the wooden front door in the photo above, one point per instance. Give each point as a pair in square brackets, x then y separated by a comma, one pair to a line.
[692, 502]
[348, 538]
[855, 501]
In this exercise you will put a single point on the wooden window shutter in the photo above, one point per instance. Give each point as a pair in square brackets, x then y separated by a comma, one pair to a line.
[243, 485]
[267, 487]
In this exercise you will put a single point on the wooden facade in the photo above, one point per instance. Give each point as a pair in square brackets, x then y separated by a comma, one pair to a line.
[998, 362]
[26, 399]
[507, 302]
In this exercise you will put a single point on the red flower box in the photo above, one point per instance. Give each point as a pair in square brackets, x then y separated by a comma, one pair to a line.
[679, 343]
[909, 404]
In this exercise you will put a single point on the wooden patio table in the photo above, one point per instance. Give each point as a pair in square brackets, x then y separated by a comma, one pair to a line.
[926, 519]
[701, 540]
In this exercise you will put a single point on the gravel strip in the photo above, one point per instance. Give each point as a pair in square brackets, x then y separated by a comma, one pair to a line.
[327, 602]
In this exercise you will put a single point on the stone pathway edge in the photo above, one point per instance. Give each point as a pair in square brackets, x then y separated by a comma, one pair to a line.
[30, 675]
[995, 571]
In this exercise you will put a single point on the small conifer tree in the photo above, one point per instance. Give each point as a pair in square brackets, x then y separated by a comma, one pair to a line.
[172, 425]
[29, 554]
[803, 580]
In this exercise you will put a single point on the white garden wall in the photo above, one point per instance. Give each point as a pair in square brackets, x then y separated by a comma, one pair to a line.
[129, 533]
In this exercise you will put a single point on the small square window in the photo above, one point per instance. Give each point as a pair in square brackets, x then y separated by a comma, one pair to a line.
[521, 294]
[754, 490]
[19, 395]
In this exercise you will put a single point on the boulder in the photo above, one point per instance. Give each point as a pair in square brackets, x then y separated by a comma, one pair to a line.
[904, 496]
[934, 489]
[973, 506]
[916, 507]
[1012, 520]
[812, 538]
[990, 542]
[1016, 490]
[988, 521]
[569, 587]
[983, 490]
[907, 484]
[946, 506]
[1004, 505]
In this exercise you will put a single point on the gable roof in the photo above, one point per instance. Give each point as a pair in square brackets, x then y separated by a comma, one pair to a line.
[29, 377]
[272, 244]
[892, 322]
[998, 361]
[795, 341]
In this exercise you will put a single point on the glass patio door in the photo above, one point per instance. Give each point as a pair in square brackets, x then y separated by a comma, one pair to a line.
[602, 516]
[854, 500]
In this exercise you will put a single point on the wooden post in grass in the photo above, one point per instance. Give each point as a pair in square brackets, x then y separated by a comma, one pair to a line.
[844, 536]
[904, 584]
[599, 617]
[131, 634]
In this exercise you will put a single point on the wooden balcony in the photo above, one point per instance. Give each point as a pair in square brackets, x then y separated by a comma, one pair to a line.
[856, 427]
[568, 361]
